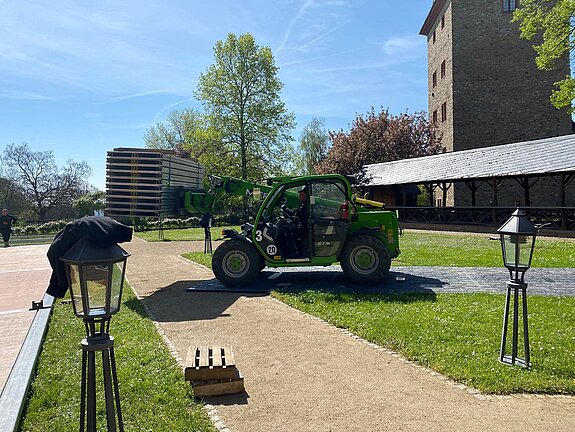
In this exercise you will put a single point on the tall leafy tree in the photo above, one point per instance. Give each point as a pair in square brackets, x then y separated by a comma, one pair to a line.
[313, 146]
[240, 92]
[380, 137]
[190, 133]
[40, 180]
[553, 22]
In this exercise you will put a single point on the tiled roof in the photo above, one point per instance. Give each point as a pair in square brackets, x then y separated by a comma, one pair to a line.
[538, 157]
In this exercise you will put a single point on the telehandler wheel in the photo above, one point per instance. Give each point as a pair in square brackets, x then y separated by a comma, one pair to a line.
[236, 262]
[365, 259]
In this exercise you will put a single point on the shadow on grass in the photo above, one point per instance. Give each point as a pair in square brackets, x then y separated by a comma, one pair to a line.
[190, 300]
[325, 280]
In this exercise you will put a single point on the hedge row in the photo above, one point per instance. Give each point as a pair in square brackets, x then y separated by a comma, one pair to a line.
[144, 224]
[51, 227]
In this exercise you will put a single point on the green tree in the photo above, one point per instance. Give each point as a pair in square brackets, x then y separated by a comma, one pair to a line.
[379, 137]
[85, 205]
[241, 94]
[552, 21]
[182, 132]
[313, 146]
[39, 179]
[191, 134]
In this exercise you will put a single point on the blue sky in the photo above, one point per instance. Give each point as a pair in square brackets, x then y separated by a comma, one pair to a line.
[81, 77]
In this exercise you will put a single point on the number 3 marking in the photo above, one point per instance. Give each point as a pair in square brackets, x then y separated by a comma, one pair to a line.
[259, 237]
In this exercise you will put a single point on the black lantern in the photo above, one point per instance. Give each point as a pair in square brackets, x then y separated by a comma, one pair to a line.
[517, 244]
[96, 277]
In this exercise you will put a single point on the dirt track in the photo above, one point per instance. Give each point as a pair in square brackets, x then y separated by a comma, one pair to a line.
[304, 375]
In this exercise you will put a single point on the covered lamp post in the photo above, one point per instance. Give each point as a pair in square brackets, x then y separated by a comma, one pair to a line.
[96, 277]
[517, 244]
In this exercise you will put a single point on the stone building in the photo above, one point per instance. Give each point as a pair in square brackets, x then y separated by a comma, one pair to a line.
[485, 89]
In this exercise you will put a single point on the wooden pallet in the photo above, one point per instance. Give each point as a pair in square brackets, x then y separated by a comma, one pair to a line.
[212, 371]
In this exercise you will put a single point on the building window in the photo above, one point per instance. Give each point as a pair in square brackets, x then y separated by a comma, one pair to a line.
[509, 5]
[434, 117]
[443, 69]
[443, 21]
[433, 36]
[434, 79]
[444, 111]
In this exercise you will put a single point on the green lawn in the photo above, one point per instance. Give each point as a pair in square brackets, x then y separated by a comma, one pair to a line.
[476, 250]
[182, 234]
[154, 395]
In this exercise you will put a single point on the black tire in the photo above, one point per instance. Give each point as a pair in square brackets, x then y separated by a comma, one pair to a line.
[236, 262]
[365, 259]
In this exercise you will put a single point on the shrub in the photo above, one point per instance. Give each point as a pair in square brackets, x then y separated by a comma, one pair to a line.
[30, 230]
[51, 227]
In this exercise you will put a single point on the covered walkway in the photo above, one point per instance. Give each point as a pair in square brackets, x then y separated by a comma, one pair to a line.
[537, 175]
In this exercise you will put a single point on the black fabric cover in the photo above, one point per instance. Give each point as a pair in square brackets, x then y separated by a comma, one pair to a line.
[102, 231]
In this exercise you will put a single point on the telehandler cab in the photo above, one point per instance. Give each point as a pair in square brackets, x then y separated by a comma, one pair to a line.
[333, 226]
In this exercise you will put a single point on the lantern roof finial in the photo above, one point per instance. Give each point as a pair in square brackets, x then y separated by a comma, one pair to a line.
[518, 224]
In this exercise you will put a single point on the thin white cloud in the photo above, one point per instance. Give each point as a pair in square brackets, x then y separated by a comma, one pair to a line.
[169, 107]
[313, 59]
[110, 48]
[135, 95]
[16, 94]
[293, 22]
[312, 41]
[402, 46]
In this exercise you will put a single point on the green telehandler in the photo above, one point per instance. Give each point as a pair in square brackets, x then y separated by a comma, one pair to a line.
[301, 221]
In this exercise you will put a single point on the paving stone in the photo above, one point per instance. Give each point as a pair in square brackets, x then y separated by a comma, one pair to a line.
[24, 274]
[417, 279]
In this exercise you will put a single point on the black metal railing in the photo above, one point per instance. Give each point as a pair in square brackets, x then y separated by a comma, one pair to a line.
[558, 218]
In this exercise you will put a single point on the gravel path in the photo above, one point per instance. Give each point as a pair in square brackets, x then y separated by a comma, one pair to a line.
[302, 374]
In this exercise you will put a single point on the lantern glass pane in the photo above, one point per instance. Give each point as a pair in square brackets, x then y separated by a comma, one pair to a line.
[508, 250]
[96, 277]
[116, 289]
[75, 288]
[525, 246]
[517, 250]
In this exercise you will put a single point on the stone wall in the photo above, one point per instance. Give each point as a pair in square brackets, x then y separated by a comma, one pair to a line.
[439, 50]
[499, 94]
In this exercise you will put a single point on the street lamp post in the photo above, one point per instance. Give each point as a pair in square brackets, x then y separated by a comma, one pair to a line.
[96, 277]
[517, 243]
